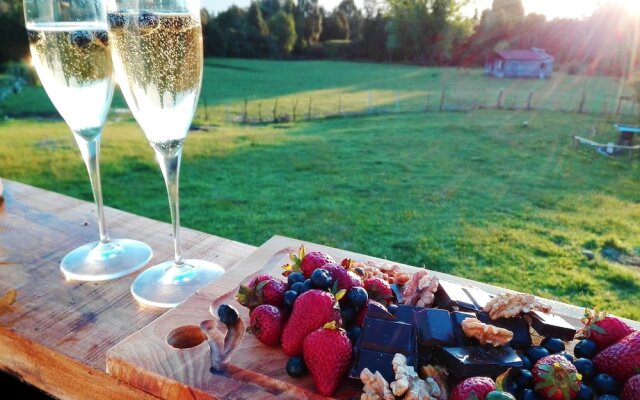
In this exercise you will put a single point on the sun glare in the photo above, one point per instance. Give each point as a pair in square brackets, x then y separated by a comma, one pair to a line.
[633, 6]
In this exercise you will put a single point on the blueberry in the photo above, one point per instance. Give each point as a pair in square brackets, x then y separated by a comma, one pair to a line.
[80, 39]
[529, 394]
[148, 20]
[297, 287]
[348, 315]
[227, 314]
[34, 37]
[102, 37]
[586, 369]
[567, 356]
[115, 20]
[535, 353]
[604, 384]
[608, 397]
[510, 386]
[321, 278]
[524, 379]
[585, 393]
[357, 296]
[290, 297]
[296, 367]
[306, 286]
[295, 277]
[392, 308]
[585, 349]
[354, 333]
[554, 345]
[526, 363]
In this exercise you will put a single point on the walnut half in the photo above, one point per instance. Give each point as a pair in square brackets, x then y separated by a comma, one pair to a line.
[375, 386]
[486, 334]
[409, 384]
[509, 305]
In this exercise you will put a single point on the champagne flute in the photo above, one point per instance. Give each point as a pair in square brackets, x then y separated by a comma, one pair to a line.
[70, 51]
[157, 57]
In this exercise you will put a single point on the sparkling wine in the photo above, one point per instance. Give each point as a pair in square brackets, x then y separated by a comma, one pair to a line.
[73, 62]
[158, 64]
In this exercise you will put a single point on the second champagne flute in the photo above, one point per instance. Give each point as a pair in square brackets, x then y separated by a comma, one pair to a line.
[157, 57]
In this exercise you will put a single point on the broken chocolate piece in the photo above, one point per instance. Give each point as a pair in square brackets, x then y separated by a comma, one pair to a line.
[517, 325]
[406, 313]
[387, 336]
[465, 362]
[454, 297]
[377, 310]
[456, 318]
[547, 324]
[435, 328]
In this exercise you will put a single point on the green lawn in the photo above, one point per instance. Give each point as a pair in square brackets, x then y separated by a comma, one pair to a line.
[474, 194]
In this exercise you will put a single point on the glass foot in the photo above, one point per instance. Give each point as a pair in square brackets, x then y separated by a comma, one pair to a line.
[100, 262]
[165, 287]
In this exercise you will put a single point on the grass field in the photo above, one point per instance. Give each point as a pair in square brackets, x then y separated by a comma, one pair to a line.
[474, 194]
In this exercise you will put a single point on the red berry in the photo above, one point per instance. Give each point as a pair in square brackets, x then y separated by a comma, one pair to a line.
[378, 290]
[311, 311]
[620, 360]
[327, 354]
[481, 386]
[263, 289]
[631, 389]
[602, 329]
[266, 323]
[555, 378]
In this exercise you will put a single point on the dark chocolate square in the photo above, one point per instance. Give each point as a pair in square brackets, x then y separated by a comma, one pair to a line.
[375, 361]
[517, 325]
[454, 297]
[377, 311]
[465, 362]
[456, 319]
[547, 324]
[435, 327]
[388, 336]
[406, 313]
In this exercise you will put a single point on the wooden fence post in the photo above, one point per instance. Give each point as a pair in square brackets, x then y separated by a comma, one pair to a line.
[206, 111]
[442, 101]
[339, 105]
[275, 111]
[309, 110]
[260, 112]
[499, 100]
[583, 99]
[244, 112]
[619, 105]
[529, 100]
[295, 105]
[370, 103]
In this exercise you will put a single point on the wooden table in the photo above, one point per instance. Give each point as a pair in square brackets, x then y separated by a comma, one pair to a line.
[55, 334]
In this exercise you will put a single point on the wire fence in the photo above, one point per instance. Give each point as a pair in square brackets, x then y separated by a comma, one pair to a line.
[312, 107]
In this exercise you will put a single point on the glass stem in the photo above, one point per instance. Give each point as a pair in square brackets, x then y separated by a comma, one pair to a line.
[170, 166]
[89, 143]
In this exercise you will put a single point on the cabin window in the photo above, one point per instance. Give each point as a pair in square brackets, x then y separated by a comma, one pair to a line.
[543, 66]
[498, 64]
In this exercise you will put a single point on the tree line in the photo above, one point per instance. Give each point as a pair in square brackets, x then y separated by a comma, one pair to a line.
[425, 32]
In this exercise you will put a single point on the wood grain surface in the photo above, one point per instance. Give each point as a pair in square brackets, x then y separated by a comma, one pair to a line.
[55, 333]
[145, 359]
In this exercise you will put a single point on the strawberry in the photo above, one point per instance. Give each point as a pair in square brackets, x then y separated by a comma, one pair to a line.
[306, 262]
[477, 386]
[378, 290]
[555, 378]
[620, 360]
[263, 289]
[266, 323]
[631, 389]
[344, 278]
[602, 329]
[311, 311]
[327, 354]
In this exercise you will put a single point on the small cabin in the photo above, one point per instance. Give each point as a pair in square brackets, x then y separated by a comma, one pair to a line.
[534, 63]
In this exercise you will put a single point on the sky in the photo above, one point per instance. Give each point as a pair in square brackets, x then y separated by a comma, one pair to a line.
[550, 8]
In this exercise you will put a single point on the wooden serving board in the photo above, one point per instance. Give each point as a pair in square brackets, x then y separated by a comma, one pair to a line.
[147, 361]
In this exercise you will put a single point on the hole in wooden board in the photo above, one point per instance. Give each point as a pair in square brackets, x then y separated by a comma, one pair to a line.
[186, 337]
